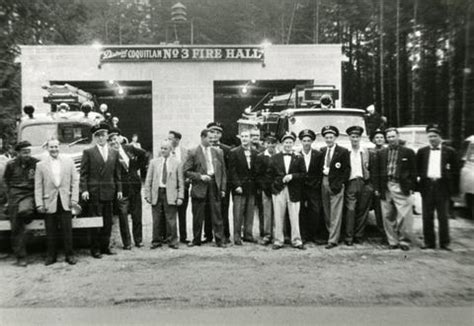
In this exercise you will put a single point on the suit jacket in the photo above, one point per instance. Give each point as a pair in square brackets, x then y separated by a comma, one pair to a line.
[46, 190]
[131, 182]
[406, 166]
[195, 167]
[297, 170]
[174, 180]
[262, 168]
[339, 167]
[240, 175]
[449, 169]
[312, 178]
[101, 179]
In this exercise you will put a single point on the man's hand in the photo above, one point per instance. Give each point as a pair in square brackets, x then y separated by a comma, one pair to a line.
[41, 209]
[377, 193]
[85, 195]
[179, 202]
[238, 190]
[287, 178]
[119, 195]
[222, 194]
[205, 178]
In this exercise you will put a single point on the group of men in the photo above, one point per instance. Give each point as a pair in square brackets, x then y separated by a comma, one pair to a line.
[302, 196]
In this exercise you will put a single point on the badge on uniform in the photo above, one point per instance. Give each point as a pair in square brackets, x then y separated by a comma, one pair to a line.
[338, 165]
[448, 166]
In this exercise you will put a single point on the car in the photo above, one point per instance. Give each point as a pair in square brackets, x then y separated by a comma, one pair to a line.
[466, 182]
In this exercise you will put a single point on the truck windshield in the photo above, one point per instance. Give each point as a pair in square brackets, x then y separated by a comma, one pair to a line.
[318, 119]
[66, 133]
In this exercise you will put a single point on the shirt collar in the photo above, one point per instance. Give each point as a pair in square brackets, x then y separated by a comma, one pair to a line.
[309, 153]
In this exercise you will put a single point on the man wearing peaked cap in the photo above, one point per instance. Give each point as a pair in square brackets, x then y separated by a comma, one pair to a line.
[358, 130]
[21, 145]
[310, 219]
[335, 171]
[101, 127]
[288, 134]
[438, 172]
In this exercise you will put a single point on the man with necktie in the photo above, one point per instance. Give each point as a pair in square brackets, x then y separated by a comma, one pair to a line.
[56, 191]
[438, 172]
[287, 171]
[335, 172]
[100, 183]
[311, 203]
[205, 167]
[359, 190]
[242, 177]
[395, 181]
[164, 190]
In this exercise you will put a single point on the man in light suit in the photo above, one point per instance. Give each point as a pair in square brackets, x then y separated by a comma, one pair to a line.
[164, 190]
[100, 183]
[56, 190]
[206, 168]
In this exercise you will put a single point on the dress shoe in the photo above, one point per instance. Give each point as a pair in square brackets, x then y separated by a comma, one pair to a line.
[129, 247]
[71, 260]
[320, 242]
[252, 240]
[96, 254]
[445, 247]
[404, 247]
[173, 246]
[393, 247]
[155, 245]
[184, 241]
[300, 247]
[424, 247]
[139, 245]
[265, 242]
[206, 240]
[21, 262]
[194, 244]
[226, 240]
[109, 252]
[49, 261]
[276, 247]
[331, 245]
[221, 245]
[349, 243]
[358, 240]
[238, 242]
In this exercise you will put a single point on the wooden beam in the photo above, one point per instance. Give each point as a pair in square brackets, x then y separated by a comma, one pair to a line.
[77, 223]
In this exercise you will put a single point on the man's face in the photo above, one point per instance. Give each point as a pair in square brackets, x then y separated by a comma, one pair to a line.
[330, 139]
[271, 147]
[288, 145]
[245, 138]
[53, 148]
[306, 142]
[379, 140]
[255, 136]
[101, 137]
[114, 141]
[165, 149]
[24, 153]
[212, 136]
[434, 139]
[392, 138]
[174, 141]
[355, 140]
[206, 141]
[115, 121]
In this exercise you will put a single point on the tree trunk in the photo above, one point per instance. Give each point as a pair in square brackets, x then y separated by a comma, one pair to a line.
[397, 66]
[414, 71]
[381, 63]
[466, 72]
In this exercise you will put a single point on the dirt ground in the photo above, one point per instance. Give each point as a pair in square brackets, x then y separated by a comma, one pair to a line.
[249, 276]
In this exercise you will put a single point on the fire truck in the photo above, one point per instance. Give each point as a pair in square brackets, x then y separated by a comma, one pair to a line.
[305, 107]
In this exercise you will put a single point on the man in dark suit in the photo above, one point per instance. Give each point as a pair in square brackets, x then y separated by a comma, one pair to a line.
[394, 182]
[378, 138]
[100, 184]
[437, 167]
[206, 168]
[132, 160]
[287, 173]
[216, 130]
[242, 184]
[262, 164]
[335, 170]
[311, 203]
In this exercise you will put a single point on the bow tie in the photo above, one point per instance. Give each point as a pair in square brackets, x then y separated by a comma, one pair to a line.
[435, 148]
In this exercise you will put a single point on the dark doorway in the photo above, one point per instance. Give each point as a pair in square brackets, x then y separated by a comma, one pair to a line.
[231, 97]
[130, 101]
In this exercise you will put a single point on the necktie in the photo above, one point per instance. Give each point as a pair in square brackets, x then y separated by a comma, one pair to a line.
[164, 174]
[328, 158]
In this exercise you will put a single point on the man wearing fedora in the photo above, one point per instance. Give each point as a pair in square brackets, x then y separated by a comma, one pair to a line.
[311, 203]
[56, 191]
[438, 173]
[359, 190]
[100, 183]
[19, 178]
[335, 170]
[287, 172]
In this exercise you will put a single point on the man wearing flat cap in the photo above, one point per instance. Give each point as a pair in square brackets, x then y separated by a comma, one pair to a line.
[287, 173]
[359, 189]
[438, 172]
[335, 172]
[100, 183]
[19, 178]
[310, 204]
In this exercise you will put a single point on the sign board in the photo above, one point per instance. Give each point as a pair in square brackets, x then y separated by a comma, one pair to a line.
[180, 53]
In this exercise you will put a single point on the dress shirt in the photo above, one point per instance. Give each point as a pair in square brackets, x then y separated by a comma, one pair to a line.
[287, 161]
[307, 158]
[327, 159]
[177, 153]
[104, 151]
[247, 157]
[208, 157]
[124, 157]
[434, 164]
[392, 168]
[56, 170]
[356, 164]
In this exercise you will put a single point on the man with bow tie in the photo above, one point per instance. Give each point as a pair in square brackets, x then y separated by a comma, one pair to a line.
[242, 183]
[100, 183]
[335, 170]
[132, 160]
[287, 171]
[56, 191]
[395, 181]
[438, 169]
